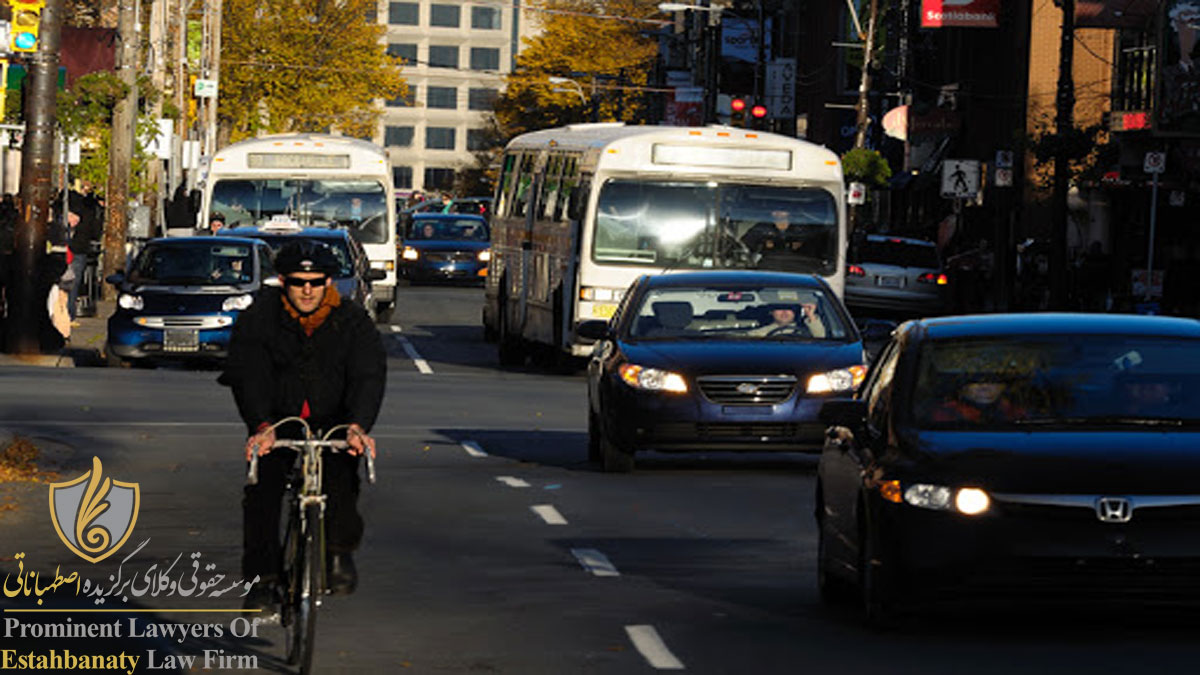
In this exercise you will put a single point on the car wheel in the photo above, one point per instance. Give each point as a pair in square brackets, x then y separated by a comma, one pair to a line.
[383, 312]
[875, 592]
[594, 437]
[613, 458]
[834, 590]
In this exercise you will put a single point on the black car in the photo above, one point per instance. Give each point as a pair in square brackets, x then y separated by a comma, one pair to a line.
[985, 456]
[445, 247]
[717, 361]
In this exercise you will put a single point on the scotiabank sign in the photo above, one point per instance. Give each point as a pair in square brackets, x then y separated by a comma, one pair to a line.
[960, 13]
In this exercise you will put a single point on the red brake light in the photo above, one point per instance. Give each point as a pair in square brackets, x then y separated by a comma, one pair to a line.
[856, 271]
[932, 278]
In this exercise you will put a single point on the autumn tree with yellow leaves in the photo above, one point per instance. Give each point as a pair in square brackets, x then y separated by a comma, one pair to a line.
[303, 65]
[602, 45]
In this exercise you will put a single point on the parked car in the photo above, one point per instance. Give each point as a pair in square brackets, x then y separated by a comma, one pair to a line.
[1036, 456]
[896, 275]
[353, 280]
[717, 361]
[441, 246]
[180, 297]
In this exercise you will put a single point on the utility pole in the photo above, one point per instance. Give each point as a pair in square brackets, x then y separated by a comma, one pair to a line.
[120, 152]
[157, 63]
[210, 69]
[864, 82]
[37, 157]
[1064, 123]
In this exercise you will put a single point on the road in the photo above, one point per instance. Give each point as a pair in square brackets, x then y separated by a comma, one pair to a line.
[493, 546]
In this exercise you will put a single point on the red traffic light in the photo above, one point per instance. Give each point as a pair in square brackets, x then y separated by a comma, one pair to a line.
[737, 105]
[759, 111]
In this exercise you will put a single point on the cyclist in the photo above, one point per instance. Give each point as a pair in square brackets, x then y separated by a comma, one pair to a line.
[304, 351]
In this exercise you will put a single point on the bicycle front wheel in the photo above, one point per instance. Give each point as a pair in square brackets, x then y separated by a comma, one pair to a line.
[311, 587]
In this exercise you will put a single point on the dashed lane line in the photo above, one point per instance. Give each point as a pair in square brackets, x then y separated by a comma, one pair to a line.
[549, 514]
[652, 648]
[595, 562]
[512, 482]
[421, 364]
[473, 449]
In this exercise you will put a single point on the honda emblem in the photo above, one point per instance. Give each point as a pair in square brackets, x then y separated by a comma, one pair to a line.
[1114, 509]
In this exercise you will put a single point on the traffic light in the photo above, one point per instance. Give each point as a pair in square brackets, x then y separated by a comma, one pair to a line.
[759, 113]
[737, 112]
[26, 21]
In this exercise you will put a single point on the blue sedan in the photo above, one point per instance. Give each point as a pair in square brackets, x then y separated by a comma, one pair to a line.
[181, 296]
[446, 246]
[718, 361]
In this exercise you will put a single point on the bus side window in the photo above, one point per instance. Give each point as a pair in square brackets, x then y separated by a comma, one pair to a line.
[524, 182]
[578, 199]
[503, 195]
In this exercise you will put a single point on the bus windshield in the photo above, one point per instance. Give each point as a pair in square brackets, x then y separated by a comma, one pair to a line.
[357, 205]
[681, 225]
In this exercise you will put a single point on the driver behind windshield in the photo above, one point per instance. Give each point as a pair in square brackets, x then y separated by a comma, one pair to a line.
[799, 319]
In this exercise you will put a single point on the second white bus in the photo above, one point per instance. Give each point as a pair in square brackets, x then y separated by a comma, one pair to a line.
[581, 211]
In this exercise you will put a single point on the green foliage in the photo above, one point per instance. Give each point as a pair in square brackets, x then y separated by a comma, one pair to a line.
[303, 65]
[866, 166]
[610, 60]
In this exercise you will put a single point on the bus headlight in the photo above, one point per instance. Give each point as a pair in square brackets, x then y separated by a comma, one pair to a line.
[842, 379]
[236, 303]
[386, 265]
[652, 379]
[597, 294]
[410, 253]
[485, 255]
[128, 301]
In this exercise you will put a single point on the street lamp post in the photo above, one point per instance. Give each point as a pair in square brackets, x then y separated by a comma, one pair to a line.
[589, 102]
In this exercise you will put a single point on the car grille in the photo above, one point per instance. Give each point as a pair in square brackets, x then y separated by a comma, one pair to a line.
[450, 256]
[197, 322]
[747, 389]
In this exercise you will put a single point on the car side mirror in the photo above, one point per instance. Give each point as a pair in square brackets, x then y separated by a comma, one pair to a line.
[592, 329]
[843, 412]
[116, 278]
[376, 275]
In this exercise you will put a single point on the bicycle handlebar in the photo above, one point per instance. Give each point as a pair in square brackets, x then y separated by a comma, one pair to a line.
[301, 444]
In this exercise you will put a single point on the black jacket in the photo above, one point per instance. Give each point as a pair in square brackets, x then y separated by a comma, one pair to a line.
[273, 367]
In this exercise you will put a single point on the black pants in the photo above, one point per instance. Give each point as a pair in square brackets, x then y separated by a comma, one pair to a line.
[262, 507]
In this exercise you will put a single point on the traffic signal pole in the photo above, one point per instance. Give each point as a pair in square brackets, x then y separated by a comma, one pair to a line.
[28, 302]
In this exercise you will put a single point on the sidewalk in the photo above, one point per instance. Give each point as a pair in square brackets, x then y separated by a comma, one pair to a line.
[84, 349]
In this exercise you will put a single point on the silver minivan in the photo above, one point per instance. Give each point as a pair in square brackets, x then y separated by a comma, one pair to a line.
[894, 274]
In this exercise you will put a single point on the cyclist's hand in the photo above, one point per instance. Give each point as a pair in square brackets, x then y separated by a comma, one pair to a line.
[263, 440]
[358, 440]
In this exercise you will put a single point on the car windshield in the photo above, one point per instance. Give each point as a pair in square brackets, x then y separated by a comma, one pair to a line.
[1062, 380]
[338, 246]
[360, 206]
[704, 225]
[895, 252]
[737, 313]
[193, 264]
[448, 229]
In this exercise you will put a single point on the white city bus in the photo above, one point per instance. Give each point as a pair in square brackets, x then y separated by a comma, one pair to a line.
[581, 211]
[311, 180]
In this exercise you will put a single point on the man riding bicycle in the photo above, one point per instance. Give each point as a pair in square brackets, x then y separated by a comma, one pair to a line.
[304, 351]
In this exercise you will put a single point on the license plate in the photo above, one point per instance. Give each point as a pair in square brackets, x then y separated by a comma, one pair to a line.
[181, 340]
[604, 311]
[890, 282]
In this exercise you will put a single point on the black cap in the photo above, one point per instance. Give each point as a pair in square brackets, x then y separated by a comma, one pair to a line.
[306, 256]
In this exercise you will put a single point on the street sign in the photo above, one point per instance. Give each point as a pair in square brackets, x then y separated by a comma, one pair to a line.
[1004, 159]
[1004, 177]
[960, 178]
[857, 194]
[205, 89]
[1156, 162]
[781, 89]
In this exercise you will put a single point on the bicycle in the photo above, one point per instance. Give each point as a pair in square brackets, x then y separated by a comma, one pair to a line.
[302, 577]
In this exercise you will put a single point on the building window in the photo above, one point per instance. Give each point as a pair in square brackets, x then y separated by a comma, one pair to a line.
[405, 101]
[444, 98]
[487, 18]
[398, 137]
[439, 179]
[404, 13]
[439, 138]
[402, 177]
[406, 51]
[441, 56]
[482, 99]
[445, 16]
[485, 58]
[477, 139]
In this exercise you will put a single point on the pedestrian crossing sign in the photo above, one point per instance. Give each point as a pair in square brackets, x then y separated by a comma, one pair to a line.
[960, 178]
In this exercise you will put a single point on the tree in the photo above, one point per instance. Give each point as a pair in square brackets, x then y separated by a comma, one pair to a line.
[866, 166]
[303, 65]
[598, 44]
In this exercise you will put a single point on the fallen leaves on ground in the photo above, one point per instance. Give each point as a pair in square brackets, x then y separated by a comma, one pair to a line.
[18, 463]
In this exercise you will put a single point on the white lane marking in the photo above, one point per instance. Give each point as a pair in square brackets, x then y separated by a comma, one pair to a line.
[422, 364]
[395, 328]
[512, 482]
[595, 562]
[549, 514]
[473, 449]
[652, 648]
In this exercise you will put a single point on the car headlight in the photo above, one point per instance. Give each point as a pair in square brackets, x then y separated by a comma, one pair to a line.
[236, 303]
[485, 255]
[652, 379]
[842, 379]
[410, 253]
[128, 301]
[968, 501]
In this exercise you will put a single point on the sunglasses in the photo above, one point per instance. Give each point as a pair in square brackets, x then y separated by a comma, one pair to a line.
[295, 282]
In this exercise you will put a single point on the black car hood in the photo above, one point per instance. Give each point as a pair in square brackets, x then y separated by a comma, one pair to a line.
[713, 357]
[1063, 462]
[448, 245]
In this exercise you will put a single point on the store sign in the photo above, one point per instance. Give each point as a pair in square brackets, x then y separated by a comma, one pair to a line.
[960, 13]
